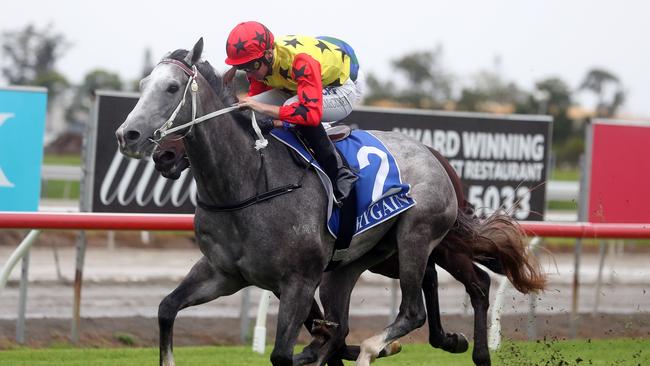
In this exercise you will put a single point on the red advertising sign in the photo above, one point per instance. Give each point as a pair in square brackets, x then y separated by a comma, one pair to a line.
[619, 181]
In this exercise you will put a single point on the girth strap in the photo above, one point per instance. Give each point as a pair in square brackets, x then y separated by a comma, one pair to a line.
[250, 201]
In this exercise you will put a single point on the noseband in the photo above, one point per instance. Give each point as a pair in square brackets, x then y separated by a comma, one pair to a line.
[167, 129]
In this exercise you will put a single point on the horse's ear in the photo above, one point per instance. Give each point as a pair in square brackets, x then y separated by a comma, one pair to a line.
[195, 55]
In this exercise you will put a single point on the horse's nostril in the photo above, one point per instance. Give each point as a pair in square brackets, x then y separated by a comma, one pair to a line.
[167, 156]
[132, 135]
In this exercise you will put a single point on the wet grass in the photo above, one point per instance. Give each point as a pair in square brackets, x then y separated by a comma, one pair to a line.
[546, 352]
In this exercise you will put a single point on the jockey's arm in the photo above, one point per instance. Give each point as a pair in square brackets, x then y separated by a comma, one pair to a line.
[308, 110]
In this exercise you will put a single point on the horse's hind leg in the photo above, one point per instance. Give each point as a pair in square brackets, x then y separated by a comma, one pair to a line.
[477, 285]
[417, 235]
[202, 284]
[450, 342]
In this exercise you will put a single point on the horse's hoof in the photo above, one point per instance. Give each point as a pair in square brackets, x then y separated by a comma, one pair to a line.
[481, 358]
[304, 358]
[322, 323]
[391, 349]
[457, 343]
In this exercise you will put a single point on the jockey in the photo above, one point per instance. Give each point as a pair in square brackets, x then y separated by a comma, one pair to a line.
[299, 81]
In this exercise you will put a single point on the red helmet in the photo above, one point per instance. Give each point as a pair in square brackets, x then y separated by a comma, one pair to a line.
[247, 42]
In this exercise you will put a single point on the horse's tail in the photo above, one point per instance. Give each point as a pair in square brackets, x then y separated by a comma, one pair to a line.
[497, 242]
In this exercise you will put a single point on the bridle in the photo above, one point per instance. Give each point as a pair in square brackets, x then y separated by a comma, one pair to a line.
[166, 129]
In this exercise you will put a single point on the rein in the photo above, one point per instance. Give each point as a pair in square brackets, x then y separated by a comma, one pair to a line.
[166, 129]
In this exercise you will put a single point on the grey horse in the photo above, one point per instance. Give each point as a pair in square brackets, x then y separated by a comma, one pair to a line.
[454, 254]
[282, 244]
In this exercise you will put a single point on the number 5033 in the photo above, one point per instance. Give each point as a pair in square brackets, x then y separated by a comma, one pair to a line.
[514, 201]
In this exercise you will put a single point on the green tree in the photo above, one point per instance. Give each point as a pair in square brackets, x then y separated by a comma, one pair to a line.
[31, 55]
[489, 87]
[378, 90]
[426, 82]
[609, 91]
[551, 96]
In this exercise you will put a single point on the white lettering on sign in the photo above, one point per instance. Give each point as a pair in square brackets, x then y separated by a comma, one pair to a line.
[4, 181]
[5, 117]
[502, 171]
[445, 141]
[489, 160]
[481, 145]
[140, 193]
[503, 146]
[489, 199]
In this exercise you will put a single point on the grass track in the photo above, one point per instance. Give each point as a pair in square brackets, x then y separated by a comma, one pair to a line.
[601, 352]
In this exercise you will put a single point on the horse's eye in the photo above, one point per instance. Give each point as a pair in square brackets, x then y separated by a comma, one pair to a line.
[172, 89]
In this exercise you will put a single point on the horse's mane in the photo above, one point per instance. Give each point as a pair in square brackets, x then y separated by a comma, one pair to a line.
[215, 81]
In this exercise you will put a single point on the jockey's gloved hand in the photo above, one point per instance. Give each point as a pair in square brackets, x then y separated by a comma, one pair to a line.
[266, 124]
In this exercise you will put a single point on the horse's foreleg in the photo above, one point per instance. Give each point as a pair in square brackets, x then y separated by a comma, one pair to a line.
[296, 301]
[335, 291]
[320, 335]
[202, 284]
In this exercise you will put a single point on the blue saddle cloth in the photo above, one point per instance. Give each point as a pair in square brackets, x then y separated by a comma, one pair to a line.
[380, 192]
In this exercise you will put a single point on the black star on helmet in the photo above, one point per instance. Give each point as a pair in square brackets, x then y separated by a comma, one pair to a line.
[322, 46]
[292, 42]
[260, 38]
[240, 45]
[301, 111]
[298, 73]
[307, 99]
[343, 54]
[284, 73]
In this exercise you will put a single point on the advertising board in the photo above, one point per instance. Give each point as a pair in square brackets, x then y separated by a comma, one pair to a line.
[619, 171]
[502, 160]
[22, 125]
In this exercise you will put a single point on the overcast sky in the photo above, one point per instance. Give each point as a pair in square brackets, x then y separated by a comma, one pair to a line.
[533, 39]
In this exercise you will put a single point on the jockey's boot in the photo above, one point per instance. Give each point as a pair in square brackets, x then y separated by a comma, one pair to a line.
[328, 158]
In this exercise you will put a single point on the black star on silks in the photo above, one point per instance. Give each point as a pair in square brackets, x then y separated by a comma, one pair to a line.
[343, 54]
[307, 99]
[240, 45]
[301, 111]
[260, 38]
[292, 42]
[322, 46]
[284, 73]
[336, 82]
[298, 73]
